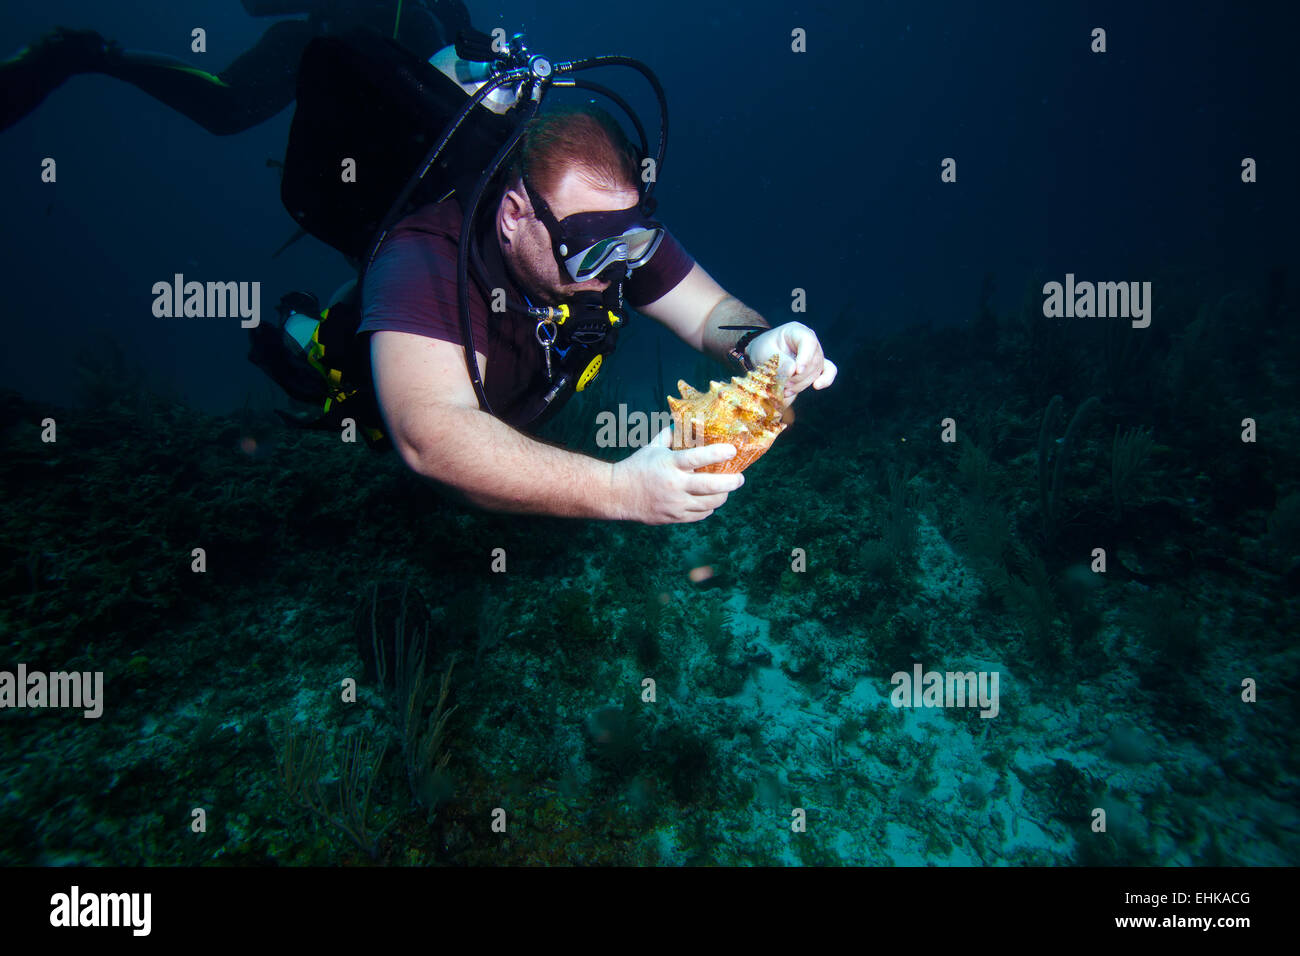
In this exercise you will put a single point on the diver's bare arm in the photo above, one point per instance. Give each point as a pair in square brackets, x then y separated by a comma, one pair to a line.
[730, 311]
[433, 419]
[500, 469]
[696, 307]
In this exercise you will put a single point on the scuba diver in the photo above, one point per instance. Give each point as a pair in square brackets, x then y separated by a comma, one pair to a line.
[258, 84]
[573, 189]
[496, 268]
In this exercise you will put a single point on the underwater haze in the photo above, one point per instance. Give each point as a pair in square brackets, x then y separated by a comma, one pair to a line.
[1018, 588]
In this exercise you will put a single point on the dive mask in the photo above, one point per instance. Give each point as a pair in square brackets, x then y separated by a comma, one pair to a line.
[588, 243]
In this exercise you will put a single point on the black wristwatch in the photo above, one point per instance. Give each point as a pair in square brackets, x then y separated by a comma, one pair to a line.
[737, 352]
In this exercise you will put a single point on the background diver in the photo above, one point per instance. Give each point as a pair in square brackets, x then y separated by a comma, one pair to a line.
[257, 85]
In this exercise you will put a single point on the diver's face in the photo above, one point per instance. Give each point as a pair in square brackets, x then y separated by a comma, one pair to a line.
[526, 243]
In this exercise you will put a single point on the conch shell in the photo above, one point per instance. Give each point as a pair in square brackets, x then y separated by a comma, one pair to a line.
[746, 413]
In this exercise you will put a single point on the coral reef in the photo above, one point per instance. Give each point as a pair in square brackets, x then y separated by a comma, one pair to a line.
[617, 711]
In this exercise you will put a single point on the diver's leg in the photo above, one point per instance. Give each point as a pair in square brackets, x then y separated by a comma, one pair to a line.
[257, 85]
[36, 71]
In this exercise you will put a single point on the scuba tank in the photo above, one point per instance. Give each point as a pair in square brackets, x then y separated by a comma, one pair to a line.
[367, 111]
[307, 352]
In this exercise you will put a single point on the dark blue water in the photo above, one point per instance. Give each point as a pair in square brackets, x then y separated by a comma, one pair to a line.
[819, 171]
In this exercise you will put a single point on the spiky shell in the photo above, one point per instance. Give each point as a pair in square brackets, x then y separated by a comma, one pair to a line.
[745, 412]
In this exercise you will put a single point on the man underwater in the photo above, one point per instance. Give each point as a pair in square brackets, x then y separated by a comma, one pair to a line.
[575, 167]
[574, 176]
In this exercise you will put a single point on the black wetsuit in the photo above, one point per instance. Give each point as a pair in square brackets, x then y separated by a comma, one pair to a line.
[257, 85]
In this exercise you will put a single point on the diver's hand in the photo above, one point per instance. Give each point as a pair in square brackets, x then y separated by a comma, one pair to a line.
[657, 485]
[801, 357]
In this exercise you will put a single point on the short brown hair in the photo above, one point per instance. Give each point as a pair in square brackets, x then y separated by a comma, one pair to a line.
[586, 139]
